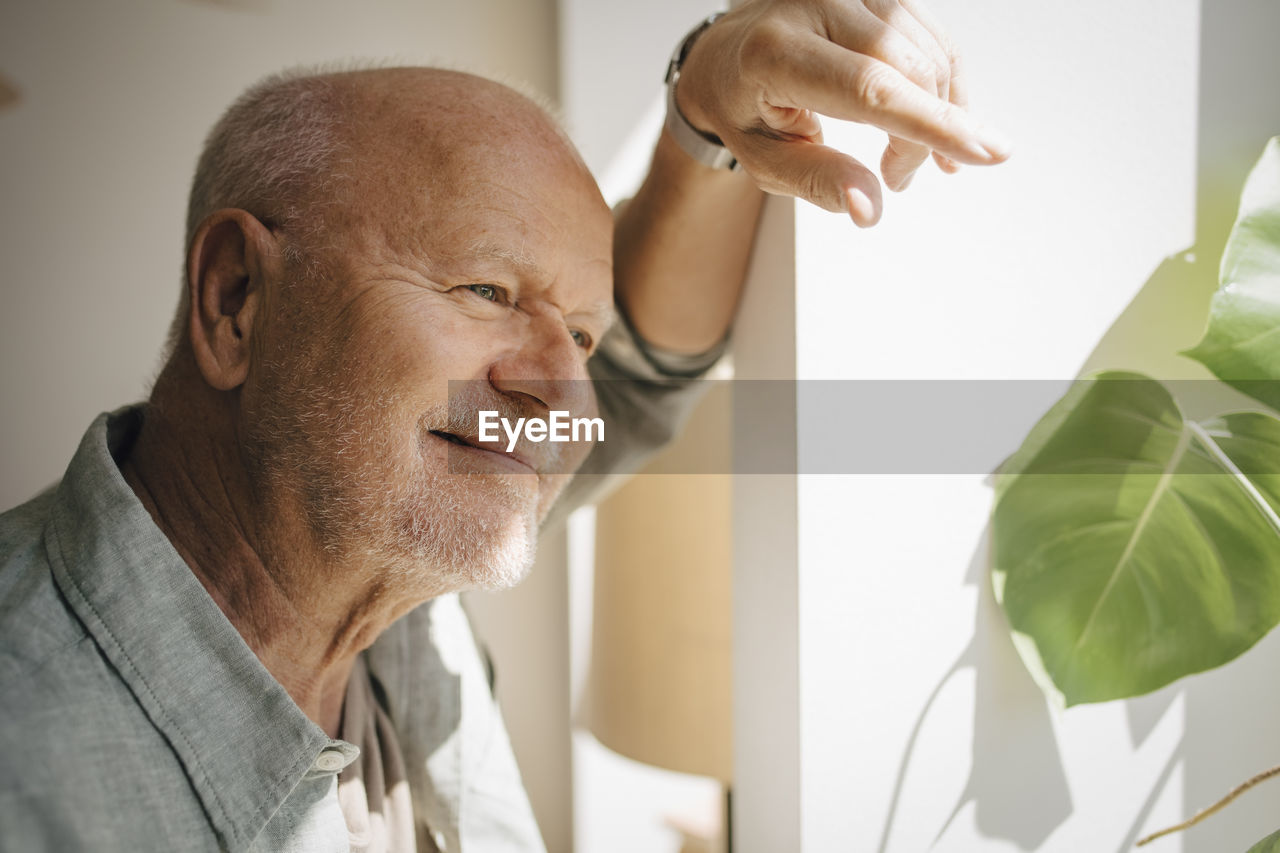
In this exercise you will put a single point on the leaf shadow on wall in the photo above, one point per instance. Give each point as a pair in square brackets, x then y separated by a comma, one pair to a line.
[1011, 716]
[1219, 747]
[1012, 726]
[1228, 731]
[1011, 729]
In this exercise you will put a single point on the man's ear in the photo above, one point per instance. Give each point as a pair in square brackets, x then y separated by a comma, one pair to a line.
[232, 257]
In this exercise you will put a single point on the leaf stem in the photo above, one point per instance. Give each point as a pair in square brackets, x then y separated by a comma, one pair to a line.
[1216, 807]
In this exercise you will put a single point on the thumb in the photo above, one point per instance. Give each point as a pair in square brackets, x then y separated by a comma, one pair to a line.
[810, 170]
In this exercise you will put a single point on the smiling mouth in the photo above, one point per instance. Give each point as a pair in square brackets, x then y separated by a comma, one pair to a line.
[513, 459]
[450, 437]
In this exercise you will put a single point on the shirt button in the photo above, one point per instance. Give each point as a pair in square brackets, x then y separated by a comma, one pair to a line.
[330, 761]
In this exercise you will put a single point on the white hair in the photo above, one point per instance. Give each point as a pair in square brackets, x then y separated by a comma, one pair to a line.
[272, 153]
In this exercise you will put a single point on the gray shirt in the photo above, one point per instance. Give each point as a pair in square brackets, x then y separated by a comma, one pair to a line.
[134, 717]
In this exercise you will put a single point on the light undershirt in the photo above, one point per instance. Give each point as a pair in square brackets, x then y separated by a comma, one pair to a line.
[373, 790]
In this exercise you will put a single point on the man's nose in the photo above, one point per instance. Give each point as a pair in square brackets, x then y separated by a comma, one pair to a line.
[547, 366]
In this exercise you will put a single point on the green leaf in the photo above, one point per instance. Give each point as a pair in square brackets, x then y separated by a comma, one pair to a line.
[1242, 342]
[1270, 844]
[1131, 547]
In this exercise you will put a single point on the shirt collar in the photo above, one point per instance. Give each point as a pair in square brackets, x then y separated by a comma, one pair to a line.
[242, 740]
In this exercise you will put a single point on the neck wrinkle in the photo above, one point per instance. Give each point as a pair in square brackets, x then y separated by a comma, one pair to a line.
[304, 613]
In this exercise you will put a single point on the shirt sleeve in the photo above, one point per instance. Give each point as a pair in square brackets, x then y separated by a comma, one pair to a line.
[645, 395]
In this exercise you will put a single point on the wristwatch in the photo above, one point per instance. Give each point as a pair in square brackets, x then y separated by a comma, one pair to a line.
[706, 148]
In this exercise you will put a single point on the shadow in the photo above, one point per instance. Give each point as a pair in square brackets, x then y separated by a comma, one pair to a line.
[1238, 113]
[1140, 819]
[1230, 734]
[1143, 713]
[1012, 728]
[1167, 315]
[1229, 731]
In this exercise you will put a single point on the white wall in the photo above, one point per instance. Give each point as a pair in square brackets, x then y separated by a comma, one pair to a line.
[916, 725]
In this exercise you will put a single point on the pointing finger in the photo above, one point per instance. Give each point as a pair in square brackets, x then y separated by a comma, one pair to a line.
[844, 84]
[814, 172]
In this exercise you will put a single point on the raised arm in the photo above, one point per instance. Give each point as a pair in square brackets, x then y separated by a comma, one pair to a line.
[756, 80]
[680, 250]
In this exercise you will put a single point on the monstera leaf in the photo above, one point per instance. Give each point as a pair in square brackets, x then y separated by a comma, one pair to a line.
[1132, 547]
[1242, 343]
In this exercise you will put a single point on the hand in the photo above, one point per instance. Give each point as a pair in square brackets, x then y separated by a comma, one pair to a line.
[758, 77]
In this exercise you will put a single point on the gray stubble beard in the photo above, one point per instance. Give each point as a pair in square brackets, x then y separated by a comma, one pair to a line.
[431, 531]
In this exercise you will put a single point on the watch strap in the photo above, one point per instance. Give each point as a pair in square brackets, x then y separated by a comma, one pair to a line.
[705, 148]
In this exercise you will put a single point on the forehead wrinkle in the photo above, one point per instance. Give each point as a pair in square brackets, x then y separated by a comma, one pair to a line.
[449, 211]
[521, 260]
[444, 154]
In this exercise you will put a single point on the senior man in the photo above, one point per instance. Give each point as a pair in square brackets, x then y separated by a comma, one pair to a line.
[232, 626]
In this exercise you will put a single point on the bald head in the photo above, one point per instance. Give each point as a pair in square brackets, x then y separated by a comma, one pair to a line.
[356, 241]
[422, 138]
[339, 153]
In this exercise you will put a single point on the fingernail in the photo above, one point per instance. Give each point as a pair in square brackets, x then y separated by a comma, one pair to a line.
[995, 143]
[861, 209]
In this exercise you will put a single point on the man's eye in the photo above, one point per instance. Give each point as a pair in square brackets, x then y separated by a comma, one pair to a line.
[580, 338]
[489, 292]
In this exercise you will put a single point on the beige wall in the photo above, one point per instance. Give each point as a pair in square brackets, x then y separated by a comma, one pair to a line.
[97, 156]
